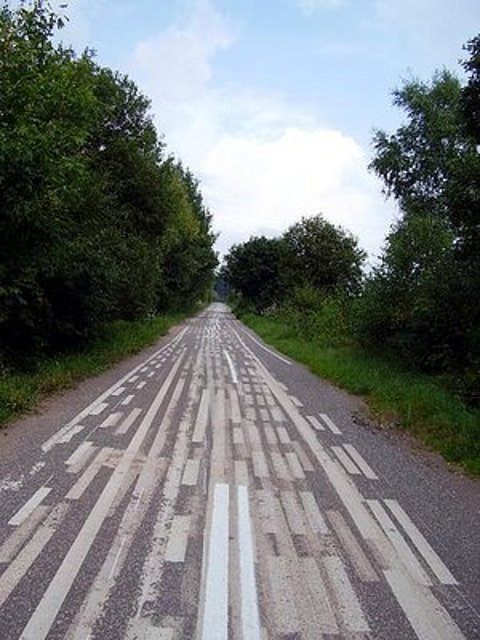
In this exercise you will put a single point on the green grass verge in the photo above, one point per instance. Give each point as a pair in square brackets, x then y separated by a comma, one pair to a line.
[20, 392]
[414, 402]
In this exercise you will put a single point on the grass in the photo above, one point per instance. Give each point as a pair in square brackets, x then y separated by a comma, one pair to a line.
[411, 401]
[21, 392]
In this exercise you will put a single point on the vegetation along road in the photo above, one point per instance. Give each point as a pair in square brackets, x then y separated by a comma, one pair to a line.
[211, 488]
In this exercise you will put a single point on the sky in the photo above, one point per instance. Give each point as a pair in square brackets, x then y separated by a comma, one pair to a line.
[273, 103]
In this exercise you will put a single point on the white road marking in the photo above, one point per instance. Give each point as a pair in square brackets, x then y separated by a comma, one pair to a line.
[178, 539]
[296, 401]
[321, 605]
[280, 466]
[111, 420]
[315, 423]
[346, 461]
[304, 459]
[241, 472]
[128, 399]
[231, 366]
[283, 435]
[44, 615]
[235, 415]
[190, 473]
[98, 408]
[406, 554]
[88, 475]
[133, 379]
[127, 423]
[65, 430]
[260, 467]
[71, 433]
[80, 456]
[312, 510]
[16, 540]
[202, 417]
[429, 619]
[429, 555]
[140, 385]
[357, 557]
[330, 424]
[349, 607]
[215, 616]
[360, 462]
[23, 513]
[248, 588]
[30, 552]
[118, 392]
[262, 346]
[295, 466]
[293, 512]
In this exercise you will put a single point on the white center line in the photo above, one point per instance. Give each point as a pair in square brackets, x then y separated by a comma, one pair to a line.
[215, 619]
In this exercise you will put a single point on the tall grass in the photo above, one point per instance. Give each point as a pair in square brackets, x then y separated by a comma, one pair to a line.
[20, 392]
[414, 402]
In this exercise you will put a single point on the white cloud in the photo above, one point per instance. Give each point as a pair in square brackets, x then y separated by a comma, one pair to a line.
[263, 186]
[263, 161]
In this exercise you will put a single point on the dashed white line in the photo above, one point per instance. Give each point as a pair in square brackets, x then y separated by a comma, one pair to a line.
[360, 462]
[330, 424]
[23, 513]
[429, 555]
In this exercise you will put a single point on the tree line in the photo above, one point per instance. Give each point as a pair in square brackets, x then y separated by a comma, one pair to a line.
[421, 301]
[97, 223]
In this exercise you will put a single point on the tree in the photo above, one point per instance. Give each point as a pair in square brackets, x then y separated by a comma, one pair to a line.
[471, 93]
[323, 256]
[254, 271]
[422, 299]
[430, 165]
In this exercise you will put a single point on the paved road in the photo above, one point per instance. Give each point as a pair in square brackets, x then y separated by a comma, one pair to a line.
[217, 490]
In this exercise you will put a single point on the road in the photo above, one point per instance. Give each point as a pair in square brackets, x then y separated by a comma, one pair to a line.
[212, 489]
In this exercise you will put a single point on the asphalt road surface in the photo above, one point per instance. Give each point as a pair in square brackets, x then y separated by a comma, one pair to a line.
[212, 489]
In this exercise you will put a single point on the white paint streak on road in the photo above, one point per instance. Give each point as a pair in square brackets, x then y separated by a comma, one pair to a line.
[349, 607]
[190, 473]
[30, 506]
[330, 424]
[215, 616]
[312, 510]
[248, 588]
[118, 392]
[39, 625]
[360, 462]
[262, 346]
[418, 605]
[178, 539]
[111, 420]
[405, 553]
[347, 462]
[231, 366]
[128, 399]
[202, 417]
[88, 475]
[315, 423]
[12, 545]
[97, 409]
[81, 454]
[357, 557]
[429, 555]
[127, 423]
[65, 430]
